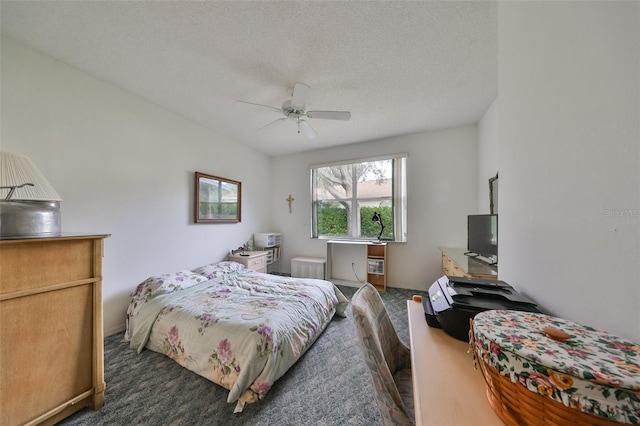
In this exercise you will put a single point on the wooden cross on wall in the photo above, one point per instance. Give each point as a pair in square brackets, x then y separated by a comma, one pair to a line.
[290, 201]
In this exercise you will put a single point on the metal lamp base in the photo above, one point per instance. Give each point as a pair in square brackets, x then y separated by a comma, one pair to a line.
[29, 219]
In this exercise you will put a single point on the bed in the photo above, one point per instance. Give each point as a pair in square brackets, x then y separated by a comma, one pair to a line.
[236, 327]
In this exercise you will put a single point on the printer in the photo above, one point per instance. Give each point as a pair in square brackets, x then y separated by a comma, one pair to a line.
[453, 301]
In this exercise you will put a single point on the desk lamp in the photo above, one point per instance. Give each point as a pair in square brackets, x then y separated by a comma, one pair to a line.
[377, 218]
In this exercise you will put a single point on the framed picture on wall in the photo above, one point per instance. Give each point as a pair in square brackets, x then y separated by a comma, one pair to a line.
[217, 200]
[493, 194]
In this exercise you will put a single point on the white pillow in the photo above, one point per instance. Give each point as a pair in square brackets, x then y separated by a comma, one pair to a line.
[167, 283]
[218, 269]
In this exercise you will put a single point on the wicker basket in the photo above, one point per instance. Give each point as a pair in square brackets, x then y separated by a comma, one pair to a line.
[516, 405]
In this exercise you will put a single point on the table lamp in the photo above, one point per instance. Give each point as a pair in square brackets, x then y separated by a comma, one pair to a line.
[29, 206]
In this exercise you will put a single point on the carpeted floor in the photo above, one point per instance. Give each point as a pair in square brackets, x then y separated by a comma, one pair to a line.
[329, 385]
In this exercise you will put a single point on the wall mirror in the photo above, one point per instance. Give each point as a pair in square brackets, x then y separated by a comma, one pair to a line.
[218, 200]
[493, 194]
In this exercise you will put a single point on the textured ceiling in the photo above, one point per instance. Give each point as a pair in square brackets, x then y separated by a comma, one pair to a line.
[399, 67]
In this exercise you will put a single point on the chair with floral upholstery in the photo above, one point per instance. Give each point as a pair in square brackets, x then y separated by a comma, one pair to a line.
[387, 358]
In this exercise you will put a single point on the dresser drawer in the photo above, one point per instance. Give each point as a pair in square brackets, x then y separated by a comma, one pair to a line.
[257, 263]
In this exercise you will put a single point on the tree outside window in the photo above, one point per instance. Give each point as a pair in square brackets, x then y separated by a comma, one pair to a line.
[346, 196]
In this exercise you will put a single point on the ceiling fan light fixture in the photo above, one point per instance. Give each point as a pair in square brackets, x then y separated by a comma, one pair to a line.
[294, 109]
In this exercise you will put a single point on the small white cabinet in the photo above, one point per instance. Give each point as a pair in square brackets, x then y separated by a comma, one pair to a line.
[255, 260]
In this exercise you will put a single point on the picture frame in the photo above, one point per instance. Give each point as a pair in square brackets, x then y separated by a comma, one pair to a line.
[217, 199]
[493, 194]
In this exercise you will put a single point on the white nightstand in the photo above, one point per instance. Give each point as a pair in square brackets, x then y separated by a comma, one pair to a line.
[256, 260]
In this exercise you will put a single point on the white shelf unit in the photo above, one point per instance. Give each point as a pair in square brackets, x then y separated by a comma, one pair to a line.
[271, 242]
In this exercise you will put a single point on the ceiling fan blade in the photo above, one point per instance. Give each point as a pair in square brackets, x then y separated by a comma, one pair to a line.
[272, 123]
[331, 115]
[260, 105]
[307, 129]
[300, 92]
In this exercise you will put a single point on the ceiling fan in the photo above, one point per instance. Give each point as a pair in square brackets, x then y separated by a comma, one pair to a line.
[294, 109]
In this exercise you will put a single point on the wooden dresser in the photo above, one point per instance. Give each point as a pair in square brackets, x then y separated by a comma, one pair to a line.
[51, 337]
[455, 263]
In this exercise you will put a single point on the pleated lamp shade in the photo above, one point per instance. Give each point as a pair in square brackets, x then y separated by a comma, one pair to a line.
[16, 170]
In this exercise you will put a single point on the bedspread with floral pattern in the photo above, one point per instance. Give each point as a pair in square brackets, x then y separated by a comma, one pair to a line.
[593, 371]
[240, 329]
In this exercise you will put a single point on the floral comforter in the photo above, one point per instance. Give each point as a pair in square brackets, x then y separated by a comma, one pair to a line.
[238, 328]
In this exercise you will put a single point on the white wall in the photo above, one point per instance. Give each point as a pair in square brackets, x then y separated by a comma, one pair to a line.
[442, 191]
[569, 132]
[125, 167]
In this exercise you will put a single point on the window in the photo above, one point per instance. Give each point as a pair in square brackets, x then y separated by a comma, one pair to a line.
[346, 196]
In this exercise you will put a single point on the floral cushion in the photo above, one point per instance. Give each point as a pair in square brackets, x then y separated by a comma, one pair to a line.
[593, 371]
[167, 283]
[161, 284]
[219, 269]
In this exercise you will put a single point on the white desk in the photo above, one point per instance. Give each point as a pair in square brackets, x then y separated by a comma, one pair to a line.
[375, 254]
[446, 388]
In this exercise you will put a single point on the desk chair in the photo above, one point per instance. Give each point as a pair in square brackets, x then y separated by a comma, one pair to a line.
[388, 359]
